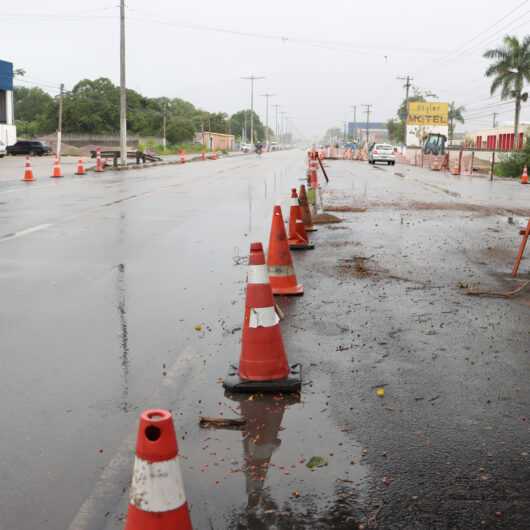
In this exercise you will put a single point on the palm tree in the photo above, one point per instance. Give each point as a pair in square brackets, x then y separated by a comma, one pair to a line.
[455, 114]
[510, 69]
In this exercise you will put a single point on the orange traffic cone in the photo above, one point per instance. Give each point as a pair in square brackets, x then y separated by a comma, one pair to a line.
[57, 173]
[203, 155]
[99, 162]
[306, 212]
[156, 499]
[298, 239]
[80, 168]
[279, 261]
[524, 176]
[263, 365]
[28, 171]
[182, 156]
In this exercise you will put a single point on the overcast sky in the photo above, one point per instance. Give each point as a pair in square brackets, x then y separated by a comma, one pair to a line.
[319, 57]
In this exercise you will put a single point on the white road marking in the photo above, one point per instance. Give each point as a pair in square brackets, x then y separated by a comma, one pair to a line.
[25, 232]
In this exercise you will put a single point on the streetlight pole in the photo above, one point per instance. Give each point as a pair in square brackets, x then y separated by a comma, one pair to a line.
[123, 93]
[277, 128]
[354, 129]
[252, 78]
[367, 111]
[60, 124]
[267, 97]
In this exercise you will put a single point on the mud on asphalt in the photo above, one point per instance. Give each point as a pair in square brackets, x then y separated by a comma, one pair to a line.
[445, 448]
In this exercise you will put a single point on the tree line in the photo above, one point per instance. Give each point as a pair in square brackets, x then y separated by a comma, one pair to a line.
[93, 107]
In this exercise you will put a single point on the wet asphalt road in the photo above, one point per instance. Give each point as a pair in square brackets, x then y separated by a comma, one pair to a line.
[105, 278]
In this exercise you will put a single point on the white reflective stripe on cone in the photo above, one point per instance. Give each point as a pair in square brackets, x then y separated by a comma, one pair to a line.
[263, 317]
[257, 274]
[157, 486]
[281, 270]
[294, 201]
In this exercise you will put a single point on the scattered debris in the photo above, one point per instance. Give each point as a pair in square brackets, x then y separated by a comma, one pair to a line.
[344, 208]
[325, 218]
[495, 294]
[380, 392]
[220, 423]
[198, 327]
[316, 461]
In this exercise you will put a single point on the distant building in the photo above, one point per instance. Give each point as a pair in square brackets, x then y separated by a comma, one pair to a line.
[8, 131]
[377, 131]
[216, 141]
[500, 139]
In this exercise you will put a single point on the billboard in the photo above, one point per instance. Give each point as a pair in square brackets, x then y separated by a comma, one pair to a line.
[427, 114]
[6, 75]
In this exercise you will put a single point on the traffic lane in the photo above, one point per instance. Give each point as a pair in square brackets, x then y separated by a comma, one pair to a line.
[89, 322]
[35, 205]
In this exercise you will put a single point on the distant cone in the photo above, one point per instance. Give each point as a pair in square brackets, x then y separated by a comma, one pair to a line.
[99, 162]
[298, 239]
[306, 211]
[524, 176]
[80, 168]
[157, 500]
[263, 355]
[279, 260]
[28, 171]
[182, 156]
[57, 173]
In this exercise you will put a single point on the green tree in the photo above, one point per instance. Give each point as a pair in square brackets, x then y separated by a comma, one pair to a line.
[455, 115]
[509, 70]
[396, 131]
[180, 129]
[35, 111]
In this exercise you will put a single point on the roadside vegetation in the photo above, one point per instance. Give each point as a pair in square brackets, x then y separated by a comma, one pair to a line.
[92, 107]
[512, 165]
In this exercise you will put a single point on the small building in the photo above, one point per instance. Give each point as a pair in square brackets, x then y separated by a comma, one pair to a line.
[377, 131]
[8, 131]
[216, 141]
[501, 138]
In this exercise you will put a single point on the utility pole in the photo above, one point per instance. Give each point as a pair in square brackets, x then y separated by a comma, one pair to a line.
[495, 114]
[252, 78]
[267, 97]
[164, 119]
[354, 131]
[277, 129]
[407, 86]
[283, 124]
[367, 111]
[123, 93]
[60, 124]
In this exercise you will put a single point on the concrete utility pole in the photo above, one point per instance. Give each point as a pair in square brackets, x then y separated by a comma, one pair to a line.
[164, 143]
[283, 129]
[407, 86]
[267, 97]
[367, 111]
[60, 124]
[354, 131]
[252, 78]
[277, 129]
[495, 114]
[123, 93]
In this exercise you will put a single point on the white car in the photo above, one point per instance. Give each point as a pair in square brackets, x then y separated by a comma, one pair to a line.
[382, 153]
[3, 150]
[246, 148]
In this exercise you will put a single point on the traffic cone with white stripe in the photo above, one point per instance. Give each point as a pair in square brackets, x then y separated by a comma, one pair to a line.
[28, 171]
[156, 499]
[80, 168]
[182, 156]
[306, 212]
[57, 173]
[263, 365]
[524, 176]
[279, 260]
[298, 239]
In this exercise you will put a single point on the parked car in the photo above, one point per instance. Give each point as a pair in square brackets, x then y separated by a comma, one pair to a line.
[24, 147]
[3, 151]
[382, 153]
[246, 148]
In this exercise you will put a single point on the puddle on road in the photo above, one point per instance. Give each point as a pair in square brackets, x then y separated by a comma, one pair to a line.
[258, 477]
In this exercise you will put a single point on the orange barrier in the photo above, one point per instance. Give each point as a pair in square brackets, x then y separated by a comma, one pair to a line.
[279, 260]
[525, 233]
[306, 211]
[263, 365]
[57, 173]
[524, 176]
[28, 171]
[80, 168]
[156, 498]
[298, 239]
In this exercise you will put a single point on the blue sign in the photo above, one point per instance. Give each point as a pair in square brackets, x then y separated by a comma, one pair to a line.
[6, 75]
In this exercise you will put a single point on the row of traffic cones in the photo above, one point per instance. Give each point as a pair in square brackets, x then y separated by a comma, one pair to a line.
[56, 172]
[157, 499]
